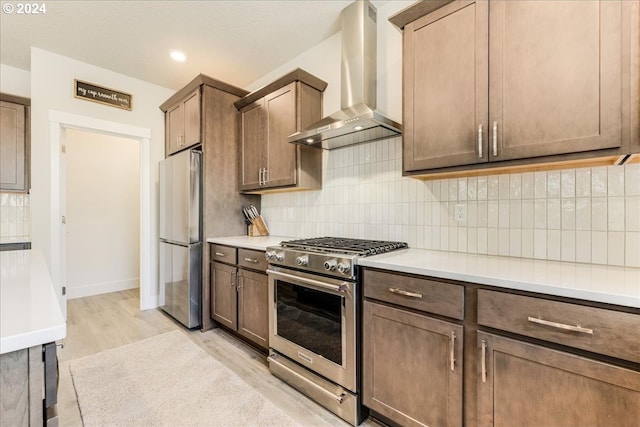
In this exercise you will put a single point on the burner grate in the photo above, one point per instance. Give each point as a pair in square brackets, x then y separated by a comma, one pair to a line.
[353, 246]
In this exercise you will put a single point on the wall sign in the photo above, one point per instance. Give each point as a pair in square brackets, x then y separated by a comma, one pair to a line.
[102, 95]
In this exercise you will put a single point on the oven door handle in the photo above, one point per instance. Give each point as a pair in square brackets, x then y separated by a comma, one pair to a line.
[341, 288]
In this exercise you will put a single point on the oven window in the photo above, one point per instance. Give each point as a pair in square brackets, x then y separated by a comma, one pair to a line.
[311, 319]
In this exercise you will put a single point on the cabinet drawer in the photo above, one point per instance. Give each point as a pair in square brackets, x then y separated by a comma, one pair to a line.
[415, 292]
[598, 330]
[254, 260]
[224, 254]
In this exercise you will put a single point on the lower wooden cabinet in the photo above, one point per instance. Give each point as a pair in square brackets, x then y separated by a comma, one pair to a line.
[239, 296]
[253, 314]
[527, 385]
[412, 367]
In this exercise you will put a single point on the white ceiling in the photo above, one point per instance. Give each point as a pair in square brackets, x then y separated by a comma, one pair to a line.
[234, 41]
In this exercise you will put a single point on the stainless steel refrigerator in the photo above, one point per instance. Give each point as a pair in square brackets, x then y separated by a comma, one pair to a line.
[181, 236]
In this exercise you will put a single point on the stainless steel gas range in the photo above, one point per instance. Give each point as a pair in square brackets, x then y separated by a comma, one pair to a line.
[315, 315]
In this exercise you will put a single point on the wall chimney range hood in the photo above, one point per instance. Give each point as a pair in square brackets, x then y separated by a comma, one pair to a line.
[357, 121]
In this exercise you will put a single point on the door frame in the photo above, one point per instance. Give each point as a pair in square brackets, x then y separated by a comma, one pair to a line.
[58, 122]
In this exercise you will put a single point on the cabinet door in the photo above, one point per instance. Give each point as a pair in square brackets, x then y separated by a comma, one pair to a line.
[555, 77]
[281, 122]
[12, 147]
[191, 133]
[223, 294]
[253, 302]
[445, 87]
[526, 385]
[254, 145]
[174, 123]
[412, 367]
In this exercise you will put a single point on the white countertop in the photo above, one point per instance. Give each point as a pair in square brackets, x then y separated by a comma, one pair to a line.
[600, 283]
[29, 311]
[258, 243]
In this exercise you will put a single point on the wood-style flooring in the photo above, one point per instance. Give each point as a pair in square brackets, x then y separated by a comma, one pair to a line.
[110, 320]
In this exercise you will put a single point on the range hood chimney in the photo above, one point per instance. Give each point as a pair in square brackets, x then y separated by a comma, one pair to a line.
[358, 121]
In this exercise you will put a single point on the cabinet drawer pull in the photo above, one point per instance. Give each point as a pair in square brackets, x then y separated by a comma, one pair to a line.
[495, 139]
[480, 154]
[562, 326]
[220, 254]
[253, 260]
[484, 361]
[452, 351]
[405, 293]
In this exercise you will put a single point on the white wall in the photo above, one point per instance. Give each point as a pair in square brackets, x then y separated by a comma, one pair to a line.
[323, 61]
[15, 81]
[52, 86]
[103, 213]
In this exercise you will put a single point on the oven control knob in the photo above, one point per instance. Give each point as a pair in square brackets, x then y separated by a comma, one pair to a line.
[302, 260]
[344, 267]
[279, 256]
[269, 255]
[331, 264]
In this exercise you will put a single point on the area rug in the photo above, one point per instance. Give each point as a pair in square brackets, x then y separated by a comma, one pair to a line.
[167, 380]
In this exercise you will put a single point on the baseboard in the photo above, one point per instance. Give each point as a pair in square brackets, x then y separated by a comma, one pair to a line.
[101, 288]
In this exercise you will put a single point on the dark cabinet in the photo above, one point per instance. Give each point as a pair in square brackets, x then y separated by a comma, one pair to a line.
[525, 381]
[14, 143]
[239, 287]
[182, 124]
[510, 83]
[268, 116]
[412, 361]
[528, 385]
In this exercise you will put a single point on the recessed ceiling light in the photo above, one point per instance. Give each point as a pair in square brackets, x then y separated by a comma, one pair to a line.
[309, 141]
[358, 127]
[178, 56]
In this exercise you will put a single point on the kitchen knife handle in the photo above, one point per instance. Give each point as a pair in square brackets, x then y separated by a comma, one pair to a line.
[480, 154]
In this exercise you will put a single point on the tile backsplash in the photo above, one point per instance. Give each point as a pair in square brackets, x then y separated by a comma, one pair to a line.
[15, 217]
[587, 215]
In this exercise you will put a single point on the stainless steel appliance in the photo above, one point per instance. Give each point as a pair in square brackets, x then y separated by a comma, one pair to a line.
[180, 236]
[314, 318]
[358, 121]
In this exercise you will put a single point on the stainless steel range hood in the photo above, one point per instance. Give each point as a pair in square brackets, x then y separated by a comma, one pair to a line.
[357, 121]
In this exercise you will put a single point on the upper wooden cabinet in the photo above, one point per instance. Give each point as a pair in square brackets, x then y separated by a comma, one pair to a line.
[268, 116]
[182, 124]
[510, 83]
[14, 143]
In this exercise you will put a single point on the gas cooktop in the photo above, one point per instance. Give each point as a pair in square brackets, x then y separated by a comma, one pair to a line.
[344, 245]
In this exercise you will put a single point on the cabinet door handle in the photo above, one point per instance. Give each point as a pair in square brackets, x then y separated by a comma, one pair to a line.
[240, 283]
[253, 260]
[452, 351]
[484, 361]
[480, 154]
[266, 176]
[234, 278]
[562, 326]
[220, 254]
[495, 139]
[261, 177]
[405, 293]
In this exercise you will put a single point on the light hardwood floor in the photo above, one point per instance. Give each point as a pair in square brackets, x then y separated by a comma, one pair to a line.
[110, 320]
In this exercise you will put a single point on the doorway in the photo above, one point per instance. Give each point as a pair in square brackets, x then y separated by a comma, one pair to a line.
[59, 122]
[102, 211]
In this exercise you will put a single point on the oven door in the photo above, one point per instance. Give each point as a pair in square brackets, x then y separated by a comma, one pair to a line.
[312, 321]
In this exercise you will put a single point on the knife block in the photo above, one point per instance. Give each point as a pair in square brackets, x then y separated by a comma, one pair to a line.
[258, 228]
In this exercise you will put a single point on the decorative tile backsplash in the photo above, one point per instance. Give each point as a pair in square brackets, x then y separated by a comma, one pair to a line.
[587, 215]
[15, 217]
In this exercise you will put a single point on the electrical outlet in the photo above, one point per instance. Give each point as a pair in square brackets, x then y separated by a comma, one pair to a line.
[461, 213]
